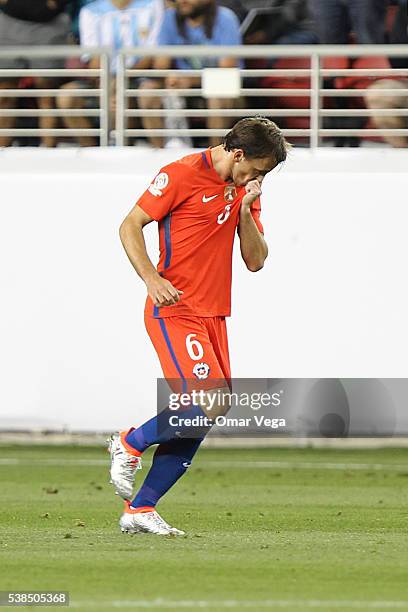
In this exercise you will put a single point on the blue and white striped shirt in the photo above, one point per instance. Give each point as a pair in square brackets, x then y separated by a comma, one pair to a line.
[101, 24]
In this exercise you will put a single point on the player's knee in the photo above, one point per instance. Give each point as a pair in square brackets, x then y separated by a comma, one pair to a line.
[216, 402]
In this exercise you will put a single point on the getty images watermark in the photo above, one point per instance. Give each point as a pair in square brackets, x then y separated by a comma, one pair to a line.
[193, 408]
[213, 401]
[269, 407]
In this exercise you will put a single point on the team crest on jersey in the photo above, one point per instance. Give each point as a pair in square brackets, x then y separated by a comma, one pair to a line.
[230, 193]
[201, 370]
[160, 182]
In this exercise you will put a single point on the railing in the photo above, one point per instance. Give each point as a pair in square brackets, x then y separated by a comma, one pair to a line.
[316, 92]
[101, 92]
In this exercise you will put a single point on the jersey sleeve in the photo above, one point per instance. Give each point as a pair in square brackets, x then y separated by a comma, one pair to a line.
[229, 25]
[167, 34]
[166, 192]
[256, 214]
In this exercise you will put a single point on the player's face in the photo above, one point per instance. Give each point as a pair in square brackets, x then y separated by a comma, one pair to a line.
[245, 170]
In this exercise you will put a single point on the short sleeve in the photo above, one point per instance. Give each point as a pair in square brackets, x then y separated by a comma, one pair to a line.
[229, 26]
[166, 192]
[166, 35]
[256, 214]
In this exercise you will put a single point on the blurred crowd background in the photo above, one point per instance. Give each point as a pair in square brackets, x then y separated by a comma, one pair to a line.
[129, 23]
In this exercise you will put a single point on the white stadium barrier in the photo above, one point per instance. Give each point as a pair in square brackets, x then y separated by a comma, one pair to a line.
[332, 300]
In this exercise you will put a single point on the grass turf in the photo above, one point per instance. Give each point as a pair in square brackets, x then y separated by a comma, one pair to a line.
[255, 532]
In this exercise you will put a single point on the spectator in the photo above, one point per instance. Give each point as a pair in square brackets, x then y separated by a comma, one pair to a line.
[336, 19]
[37, 22]
[73, 10]
[398, 34]
[375, 102]
[342, 22]
[285, 22]
[235, 5]
[195, 22]
[115, 24]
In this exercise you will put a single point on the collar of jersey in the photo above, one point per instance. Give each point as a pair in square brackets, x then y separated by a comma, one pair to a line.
[211, 168]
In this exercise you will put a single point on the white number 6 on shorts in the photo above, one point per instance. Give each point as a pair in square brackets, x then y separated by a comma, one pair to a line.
[192, 346]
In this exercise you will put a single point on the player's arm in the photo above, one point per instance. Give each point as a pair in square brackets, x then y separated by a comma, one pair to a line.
[254, 249]
[159, 289]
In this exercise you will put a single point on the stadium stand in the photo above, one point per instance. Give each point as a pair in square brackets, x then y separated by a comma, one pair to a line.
[215, 25]
[336, 20]
[167, 107]
[116, 24]
[23, 24]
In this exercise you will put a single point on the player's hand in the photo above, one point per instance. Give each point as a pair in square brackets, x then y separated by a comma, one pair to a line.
[253, 191]
[162, 292]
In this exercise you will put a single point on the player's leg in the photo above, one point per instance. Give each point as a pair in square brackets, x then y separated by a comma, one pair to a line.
[170, 462]
[172, 339]
[188, 360]
[178, 356]
[168, 337]
[183, 347]
[218, 335]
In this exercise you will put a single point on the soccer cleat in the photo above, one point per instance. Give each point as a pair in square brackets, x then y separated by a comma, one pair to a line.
[123, 465]
[148, 521]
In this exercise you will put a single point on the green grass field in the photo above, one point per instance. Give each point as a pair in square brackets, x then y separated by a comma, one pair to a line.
[276, 528]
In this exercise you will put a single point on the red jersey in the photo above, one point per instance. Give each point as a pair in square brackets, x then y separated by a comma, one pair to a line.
[198, 214]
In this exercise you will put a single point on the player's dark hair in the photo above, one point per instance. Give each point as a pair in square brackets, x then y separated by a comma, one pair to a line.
[209, 11]
[258, 137]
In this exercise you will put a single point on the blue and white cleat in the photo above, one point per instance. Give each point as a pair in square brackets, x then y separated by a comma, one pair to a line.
[125, 460]
[145, 521]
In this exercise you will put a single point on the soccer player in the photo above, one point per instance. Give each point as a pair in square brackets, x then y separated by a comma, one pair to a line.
[199, 201]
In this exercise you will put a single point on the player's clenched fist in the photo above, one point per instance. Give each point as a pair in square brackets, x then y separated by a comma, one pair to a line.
[162, 292]
[253, 191]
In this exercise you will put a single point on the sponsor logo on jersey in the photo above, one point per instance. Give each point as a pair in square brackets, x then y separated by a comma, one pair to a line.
[160, 182]
[205, 199]
[201, 370]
